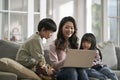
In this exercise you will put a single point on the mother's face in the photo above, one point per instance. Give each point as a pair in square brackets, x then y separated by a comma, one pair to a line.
[68, 29]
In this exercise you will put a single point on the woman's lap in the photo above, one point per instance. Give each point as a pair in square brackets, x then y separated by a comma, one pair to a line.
[72, 74]
[67, 74]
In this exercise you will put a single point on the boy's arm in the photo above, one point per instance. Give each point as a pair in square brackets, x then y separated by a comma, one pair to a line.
[37, 51]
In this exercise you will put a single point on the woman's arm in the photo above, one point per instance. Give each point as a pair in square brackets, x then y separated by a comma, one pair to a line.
[56, 58]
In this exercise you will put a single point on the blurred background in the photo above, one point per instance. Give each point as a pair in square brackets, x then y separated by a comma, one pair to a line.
[19, 18]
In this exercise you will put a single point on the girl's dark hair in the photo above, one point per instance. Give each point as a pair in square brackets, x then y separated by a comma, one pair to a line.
[92, 39]
[48, 24]
[60, 41]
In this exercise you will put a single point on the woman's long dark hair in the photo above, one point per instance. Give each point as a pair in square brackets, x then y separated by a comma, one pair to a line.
[60, 42]
[92, 39]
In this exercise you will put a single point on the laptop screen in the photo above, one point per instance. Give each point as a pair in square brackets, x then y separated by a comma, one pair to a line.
[79, 58]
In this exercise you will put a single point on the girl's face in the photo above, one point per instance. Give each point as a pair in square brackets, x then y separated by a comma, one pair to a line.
[68, 29]
[86, 45]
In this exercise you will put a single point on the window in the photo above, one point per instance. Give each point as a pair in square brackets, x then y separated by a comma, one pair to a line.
[36, 13]
[107, 11]
[17, 21]
[94, 18]
[62, 8]
[66, 9]
[114, 21]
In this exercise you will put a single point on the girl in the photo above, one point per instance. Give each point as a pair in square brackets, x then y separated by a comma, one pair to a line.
[98, 70]
[66, 38]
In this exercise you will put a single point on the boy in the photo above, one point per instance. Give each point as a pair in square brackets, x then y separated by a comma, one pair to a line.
[31, 52]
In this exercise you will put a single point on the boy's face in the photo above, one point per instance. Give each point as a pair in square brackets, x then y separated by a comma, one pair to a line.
[86, 45]
[47, 33]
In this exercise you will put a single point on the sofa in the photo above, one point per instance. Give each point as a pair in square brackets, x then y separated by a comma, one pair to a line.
[12, 70]
[9, 68]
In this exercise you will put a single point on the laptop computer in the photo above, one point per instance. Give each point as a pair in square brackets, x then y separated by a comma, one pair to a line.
[79, 58]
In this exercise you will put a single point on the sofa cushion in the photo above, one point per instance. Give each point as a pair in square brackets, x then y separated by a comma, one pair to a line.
[9, 65]
[118, 56]
[109, 54]
[7, 76]
[117, 72]
[8, 49]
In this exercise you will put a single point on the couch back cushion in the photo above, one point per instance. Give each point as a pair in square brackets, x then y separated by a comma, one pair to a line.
[8, 49]
[109, 54]
[118, 56]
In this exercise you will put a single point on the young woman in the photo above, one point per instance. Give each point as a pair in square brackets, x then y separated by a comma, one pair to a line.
[98, 70]
[66, 38]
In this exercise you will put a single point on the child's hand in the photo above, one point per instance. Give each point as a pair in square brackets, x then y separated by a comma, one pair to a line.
[42, 63]
[49, 70]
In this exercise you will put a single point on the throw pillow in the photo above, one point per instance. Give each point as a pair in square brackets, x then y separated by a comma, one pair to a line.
[8, 49]
[9, 65]
[109, 54]
[117, 48]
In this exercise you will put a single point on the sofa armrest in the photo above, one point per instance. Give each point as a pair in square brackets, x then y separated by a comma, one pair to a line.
[7, 76]
[117, 48]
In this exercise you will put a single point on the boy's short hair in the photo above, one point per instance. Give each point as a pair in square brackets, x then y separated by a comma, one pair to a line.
[48, 24]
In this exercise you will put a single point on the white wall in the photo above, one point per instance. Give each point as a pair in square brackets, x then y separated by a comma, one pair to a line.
[79, 14]
[0, 26]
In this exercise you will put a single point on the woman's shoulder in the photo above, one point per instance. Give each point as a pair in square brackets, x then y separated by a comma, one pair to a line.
[52, 44]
